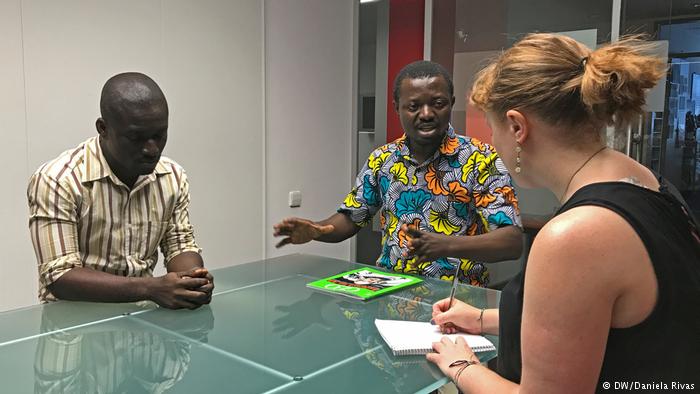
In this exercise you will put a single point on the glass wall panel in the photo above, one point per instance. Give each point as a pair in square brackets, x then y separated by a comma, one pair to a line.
[373, 28]
[666, 139]
[466, 34]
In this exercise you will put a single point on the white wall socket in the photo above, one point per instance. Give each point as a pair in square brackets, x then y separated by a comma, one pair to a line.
[295, 198]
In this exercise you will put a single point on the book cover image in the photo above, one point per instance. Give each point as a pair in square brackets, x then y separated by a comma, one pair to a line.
[364, 283]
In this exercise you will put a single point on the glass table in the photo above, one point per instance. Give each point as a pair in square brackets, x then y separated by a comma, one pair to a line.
[264, 332]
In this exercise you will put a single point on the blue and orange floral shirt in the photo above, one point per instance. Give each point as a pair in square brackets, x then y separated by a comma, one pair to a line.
[464, 189]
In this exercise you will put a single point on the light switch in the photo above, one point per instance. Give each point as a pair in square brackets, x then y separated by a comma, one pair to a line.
[295, 198]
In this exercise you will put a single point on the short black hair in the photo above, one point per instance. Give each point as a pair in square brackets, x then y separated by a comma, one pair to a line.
[422, 69]
[129, 88]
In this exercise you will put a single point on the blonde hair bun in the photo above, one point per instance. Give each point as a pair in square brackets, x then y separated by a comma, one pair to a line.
[565, 83]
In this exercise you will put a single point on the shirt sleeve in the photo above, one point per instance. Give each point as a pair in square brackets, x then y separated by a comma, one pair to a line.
[53, 225]
[179, 235]
[494, 194]
[364, 200]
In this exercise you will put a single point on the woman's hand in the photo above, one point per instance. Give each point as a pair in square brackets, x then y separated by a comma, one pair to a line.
[461, 317]
[447, 352]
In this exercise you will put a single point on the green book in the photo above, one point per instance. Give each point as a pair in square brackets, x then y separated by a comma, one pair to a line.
[363, 283]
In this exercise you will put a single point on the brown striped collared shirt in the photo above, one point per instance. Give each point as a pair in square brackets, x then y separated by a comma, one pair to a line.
[82, 215]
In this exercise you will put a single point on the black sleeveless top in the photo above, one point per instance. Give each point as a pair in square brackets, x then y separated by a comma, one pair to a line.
[665, 347]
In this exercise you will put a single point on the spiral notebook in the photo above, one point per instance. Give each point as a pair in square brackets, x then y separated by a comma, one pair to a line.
[412, 337]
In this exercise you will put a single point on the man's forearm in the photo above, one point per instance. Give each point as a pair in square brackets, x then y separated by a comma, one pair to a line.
[505, 243]
[344, 228]
[85, 284]
[185, 261]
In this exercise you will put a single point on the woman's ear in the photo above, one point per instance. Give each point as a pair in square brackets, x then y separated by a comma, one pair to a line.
[518, 125]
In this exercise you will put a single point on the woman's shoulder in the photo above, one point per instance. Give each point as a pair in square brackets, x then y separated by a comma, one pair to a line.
[584, 223]
[587, 243]
[579, 226]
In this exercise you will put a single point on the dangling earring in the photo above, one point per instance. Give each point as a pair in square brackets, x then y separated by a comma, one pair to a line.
[518, 149]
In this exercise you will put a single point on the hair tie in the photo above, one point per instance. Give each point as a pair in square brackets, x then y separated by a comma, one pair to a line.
[582, 65]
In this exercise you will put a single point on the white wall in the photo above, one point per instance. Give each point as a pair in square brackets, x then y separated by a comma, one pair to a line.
[309, 94]
[259, 105]
[206, 55]
[213, 67]
[18, 281]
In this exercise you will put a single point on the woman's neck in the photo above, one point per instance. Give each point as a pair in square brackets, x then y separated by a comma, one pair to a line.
[563, 168]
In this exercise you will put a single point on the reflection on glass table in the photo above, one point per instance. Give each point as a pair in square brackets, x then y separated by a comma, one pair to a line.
[121, 357]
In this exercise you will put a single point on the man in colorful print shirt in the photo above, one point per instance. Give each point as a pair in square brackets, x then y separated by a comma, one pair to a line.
[446, 201]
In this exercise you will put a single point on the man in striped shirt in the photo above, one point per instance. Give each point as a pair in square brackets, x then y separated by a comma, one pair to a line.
[99, 212]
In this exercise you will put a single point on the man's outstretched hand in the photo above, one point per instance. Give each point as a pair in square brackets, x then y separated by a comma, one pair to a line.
[299, 231]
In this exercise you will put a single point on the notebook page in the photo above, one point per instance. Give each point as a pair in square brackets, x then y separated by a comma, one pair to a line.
[410, 337]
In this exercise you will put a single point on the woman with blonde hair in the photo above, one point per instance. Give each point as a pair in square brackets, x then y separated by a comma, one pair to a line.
[609, 294]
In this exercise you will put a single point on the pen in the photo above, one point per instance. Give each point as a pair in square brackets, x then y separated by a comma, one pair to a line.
[454, 288]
